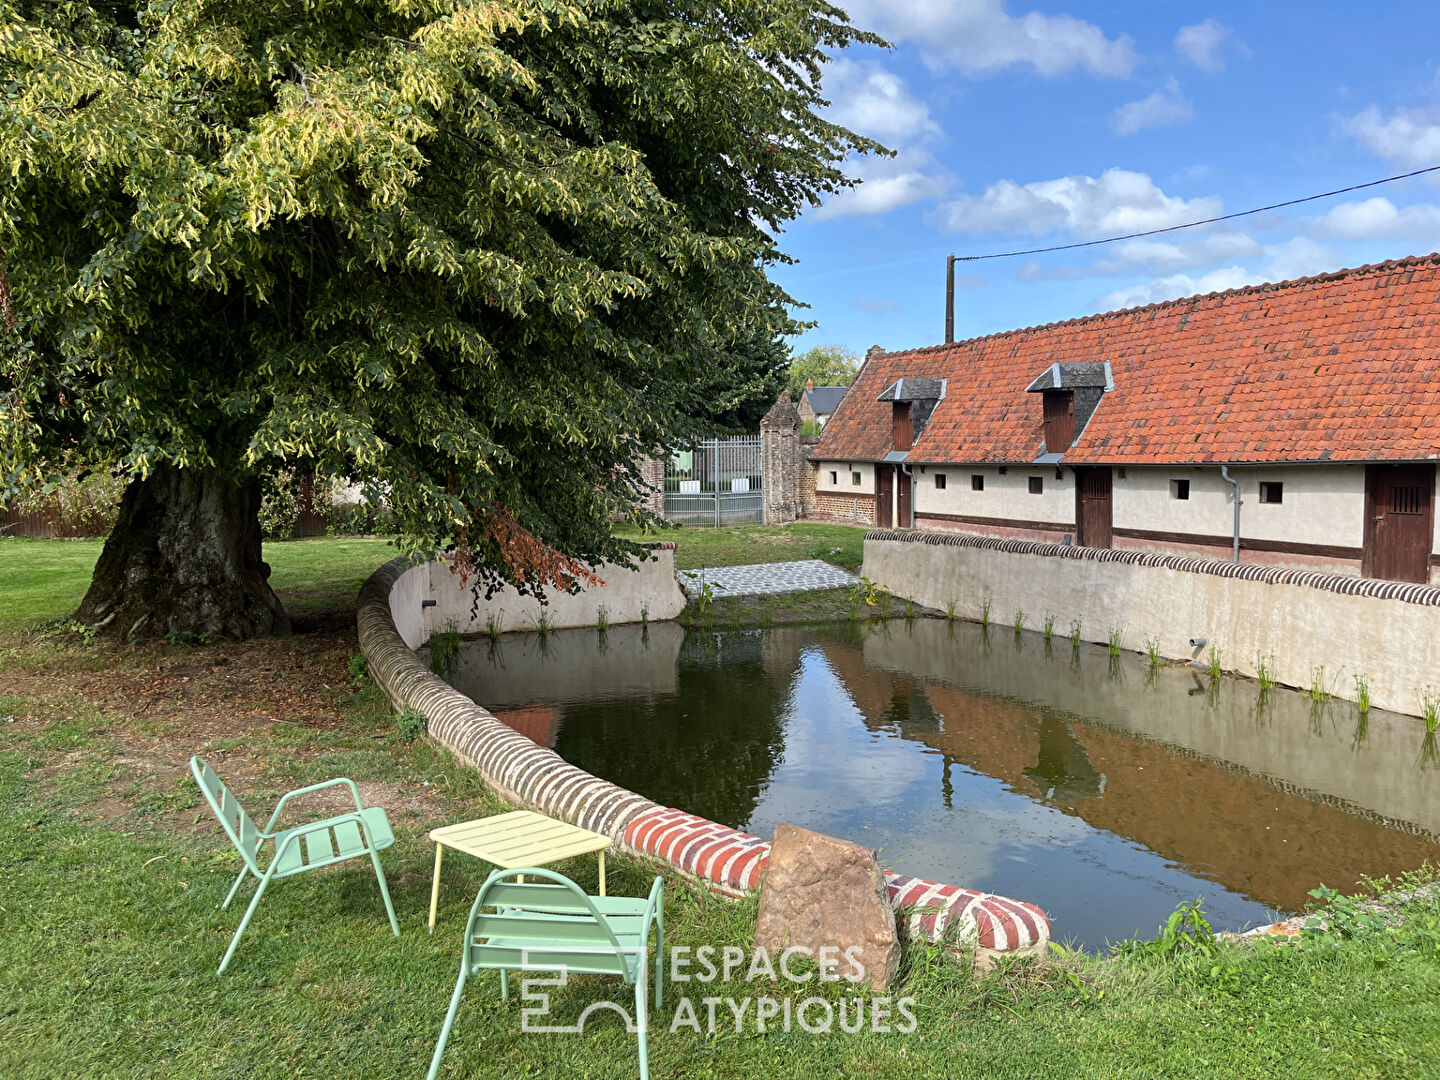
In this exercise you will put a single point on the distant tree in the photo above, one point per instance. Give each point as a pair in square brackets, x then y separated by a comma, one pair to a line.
[752, 374]
[826, 365]
[478, 257]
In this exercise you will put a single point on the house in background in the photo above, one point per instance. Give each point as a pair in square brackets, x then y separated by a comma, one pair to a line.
[818, 403]
[1293, 424]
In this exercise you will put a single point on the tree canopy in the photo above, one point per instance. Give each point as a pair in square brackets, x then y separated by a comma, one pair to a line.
[825, 365]
[478, 256]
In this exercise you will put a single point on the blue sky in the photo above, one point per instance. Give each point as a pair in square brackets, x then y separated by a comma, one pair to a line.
[1024, 123]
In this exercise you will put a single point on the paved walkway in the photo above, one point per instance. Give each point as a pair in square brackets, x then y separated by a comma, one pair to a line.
[768, 578]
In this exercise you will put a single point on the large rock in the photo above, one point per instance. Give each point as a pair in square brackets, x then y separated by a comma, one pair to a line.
[821, 892]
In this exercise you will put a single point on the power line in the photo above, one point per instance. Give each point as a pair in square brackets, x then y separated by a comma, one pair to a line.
[1194, 224]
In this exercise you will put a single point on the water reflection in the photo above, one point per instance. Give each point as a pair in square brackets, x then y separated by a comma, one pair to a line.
[1101, 789]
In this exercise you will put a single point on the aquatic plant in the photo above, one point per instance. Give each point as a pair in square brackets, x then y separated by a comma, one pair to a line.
[909, 610]
[1185, 931]
[544, 623]
[1152, 652]
[1430, 708]
[602, 618]
[985, 612]
[492, 626]
[645, 614]
[1019, 622]
[950, 611]
[1117, 635]
[1049, 630]
[1075, 634]
[706, 596]
[1265, 672]
[1320, 690]
[443, 647]
[1212, 660]
[1362, 693]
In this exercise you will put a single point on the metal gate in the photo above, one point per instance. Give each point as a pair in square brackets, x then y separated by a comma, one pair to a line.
[716, 483]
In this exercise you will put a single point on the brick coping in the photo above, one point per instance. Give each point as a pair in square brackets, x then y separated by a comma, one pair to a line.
[723, 859]
[1405, 591]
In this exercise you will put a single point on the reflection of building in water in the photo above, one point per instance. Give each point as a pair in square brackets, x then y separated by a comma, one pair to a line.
[1216, 823]
[539, 723]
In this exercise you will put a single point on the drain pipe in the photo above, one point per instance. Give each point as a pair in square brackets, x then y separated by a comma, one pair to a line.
[1235, 542]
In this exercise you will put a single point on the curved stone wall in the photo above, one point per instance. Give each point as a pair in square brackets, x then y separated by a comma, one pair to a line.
[531, 776]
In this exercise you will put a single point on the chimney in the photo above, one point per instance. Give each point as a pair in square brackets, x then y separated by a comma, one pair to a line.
[809, 384]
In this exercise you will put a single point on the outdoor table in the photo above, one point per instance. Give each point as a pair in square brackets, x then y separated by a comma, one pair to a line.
[519, 838]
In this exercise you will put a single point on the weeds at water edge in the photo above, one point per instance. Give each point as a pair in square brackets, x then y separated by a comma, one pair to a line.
[1152, 652]
[1117, 637]
[1213, 656]
[1362, 694]
[1430, 708]
[1049, 630]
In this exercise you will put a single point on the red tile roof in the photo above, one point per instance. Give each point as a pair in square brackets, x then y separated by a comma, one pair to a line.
[1338, 367]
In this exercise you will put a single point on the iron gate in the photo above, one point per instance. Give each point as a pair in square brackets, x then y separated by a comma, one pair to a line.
[716, 483]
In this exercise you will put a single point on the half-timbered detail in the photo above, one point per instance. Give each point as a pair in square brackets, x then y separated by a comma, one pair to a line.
[1296, 424]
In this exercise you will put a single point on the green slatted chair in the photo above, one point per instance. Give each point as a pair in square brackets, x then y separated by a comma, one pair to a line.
[333, 840]
[552, 925]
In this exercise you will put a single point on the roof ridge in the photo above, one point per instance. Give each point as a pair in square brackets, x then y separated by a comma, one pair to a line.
[1258, 287]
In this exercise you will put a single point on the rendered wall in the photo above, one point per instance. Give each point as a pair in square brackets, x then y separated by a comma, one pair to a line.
[652, 589]
[1388, 632]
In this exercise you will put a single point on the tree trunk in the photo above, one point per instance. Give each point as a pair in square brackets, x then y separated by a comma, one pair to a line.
[184, 557]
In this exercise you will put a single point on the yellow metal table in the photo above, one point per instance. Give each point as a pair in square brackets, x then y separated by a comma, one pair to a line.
[520, 838]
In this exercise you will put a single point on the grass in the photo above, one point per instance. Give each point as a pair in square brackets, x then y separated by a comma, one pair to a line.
[1265, 674]
[1430, 708]
[742, 545]
[1213, 657]
[111, 870]
[1362, 694]
[1152, 652]
[1116, 641]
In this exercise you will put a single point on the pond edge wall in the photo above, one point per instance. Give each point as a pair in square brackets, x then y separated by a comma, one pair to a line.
[1297, 621]
[392, 623]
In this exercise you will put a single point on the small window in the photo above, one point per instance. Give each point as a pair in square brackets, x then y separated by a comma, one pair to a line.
[834, 478]
[1037, 485]
[1272, 491]
[855, 478]
[940, 481]
[977, 482]
[1180, 489]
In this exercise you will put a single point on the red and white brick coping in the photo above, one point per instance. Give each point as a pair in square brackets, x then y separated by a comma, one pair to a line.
[723, 859]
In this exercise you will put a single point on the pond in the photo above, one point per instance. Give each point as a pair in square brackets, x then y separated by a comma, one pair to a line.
[1103, 791]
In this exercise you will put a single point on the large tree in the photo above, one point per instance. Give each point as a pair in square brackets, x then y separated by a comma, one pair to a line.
[824, 365]
[480, 256]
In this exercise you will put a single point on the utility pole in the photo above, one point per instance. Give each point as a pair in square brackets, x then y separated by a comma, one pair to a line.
[949, 299]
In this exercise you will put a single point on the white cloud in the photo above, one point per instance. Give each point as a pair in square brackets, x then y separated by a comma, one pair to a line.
[1174, 286]
[1299, 257]
[874, 102]
[1409, 137]
[1166, 107]
[1379, 217]
[979, 37]
[1184, 251]
[876, 307]
[1203, 43]
[1117, 201]
[887, 184]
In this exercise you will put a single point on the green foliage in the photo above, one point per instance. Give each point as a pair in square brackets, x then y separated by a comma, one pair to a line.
[1213, 657]
[871, 593]
[83, 503]
[1049, 628]
[602, 618]
[1265, 673]
[950, 611]
[1075, 627]
[279, 504]
[985, 612]
[1362, 693]
[748, 379]
[1320, 691]
[1186, 932]
[1019, 622]
[359, 669]
[1152, 652]
[1117, 637]
[475, 257]
[824, 365]
[186, 637]
[410, 725]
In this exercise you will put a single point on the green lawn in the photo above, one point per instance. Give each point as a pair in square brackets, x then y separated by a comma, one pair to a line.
[46, 579]
[743, 544]
[111, 870]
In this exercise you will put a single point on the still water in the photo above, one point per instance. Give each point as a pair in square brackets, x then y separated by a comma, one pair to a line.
[1102, 791]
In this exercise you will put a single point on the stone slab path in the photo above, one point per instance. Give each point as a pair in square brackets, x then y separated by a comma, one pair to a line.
[768, 578]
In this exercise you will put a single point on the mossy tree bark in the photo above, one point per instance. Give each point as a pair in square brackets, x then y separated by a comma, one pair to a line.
[184, 556]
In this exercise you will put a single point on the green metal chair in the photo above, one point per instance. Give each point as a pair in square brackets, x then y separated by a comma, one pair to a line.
[552, 925]
[333, 840]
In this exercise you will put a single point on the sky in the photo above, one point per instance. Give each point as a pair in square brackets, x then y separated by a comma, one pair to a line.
[1026, 123]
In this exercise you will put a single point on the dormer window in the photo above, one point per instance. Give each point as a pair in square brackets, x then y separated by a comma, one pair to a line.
[911, 403]
[1070, 393]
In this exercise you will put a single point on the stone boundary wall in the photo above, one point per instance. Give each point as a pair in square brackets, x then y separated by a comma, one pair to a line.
[527, 775]
[1296, 620]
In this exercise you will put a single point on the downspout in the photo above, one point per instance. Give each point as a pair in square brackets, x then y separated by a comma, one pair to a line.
[1235, 542]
